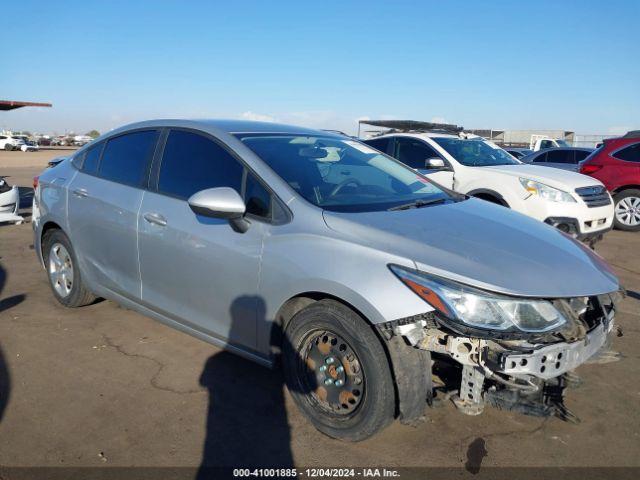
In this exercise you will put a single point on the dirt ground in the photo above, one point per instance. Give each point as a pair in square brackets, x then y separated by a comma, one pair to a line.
[104, 386]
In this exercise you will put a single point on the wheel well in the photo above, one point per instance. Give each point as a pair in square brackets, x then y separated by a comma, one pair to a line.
[297, 303]
[626, 187]
[45, 228]
[489, 197]
[403, 361]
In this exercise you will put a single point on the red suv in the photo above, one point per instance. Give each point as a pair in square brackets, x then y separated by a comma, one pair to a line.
[617, 164]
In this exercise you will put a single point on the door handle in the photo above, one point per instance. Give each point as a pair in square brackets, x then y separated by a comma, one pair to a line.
[81, 192]
[156, 219]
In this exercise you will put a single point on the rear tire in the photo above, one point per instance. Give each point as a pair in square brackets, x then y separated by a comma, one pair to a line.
[65, 278]
[8, 147]
[627, 210]
[353, 401]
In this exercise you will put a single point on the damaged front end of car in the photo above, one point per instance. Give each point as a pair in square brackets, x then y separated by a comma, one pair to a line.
[508, 352]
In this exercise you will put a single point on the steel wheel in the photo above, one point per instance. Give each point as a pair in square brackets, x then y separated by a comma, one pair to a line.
[628, 211]
[334, 373]
[60, 270]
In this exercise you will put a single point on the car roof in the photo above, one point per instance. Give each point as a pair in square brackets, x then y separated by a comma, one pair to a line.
[417, 135]
[584, 149]
[230, 126]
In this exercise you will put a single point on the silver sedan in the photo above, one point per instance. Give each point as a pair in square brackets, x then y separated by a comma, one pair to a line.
[367, 279]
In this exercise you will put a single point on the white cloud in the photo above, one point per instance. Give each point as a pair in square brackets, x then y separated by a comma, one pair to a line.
[260, 117]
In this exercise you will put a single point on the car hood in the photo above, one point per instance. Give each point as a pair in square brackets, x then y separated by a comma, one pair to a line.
[554, 177]
[484, 245]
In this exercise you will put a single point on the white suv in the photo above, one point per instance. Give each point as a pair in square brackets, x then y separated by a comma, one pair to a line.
[574, 203]
[11, 142]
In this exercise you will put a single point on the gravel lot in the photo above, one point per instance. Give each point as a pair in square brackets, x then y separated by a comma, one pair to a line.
[104, 386]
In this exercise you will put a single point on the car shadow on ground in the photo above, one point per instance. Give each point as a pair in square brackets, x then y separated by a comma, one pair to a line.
[247, 422]
[5, 378]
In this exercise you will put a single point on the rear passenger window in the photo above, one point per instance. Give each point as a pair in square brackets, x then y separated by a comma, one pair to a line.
[126, 158]
[257, 198]
[381, 144]
[192, 162]
[560, 156]
[629, 154]
[91, 159]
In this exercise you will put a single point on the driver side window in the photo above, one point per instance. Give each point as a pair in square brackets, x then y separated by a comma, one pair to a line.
[413, 152]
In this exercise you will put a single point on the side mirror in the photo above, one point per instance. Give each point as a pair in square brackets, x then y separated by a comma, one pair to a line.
[435, 164]
[221, 202]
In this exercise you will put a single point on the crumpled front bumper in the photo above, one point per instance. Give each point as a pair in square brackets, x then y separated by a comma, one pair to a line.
[527, 374]
[557, 359]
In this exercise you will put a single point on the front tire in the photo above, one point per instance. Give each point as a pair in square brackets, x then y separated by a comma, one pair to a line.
[65, 278]
[337, 371]
[627, 210]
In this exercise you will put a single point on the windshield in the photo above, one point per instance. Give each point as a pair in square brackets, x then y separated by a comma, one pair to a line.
[562, 143]
[342, 174]
[475, 152]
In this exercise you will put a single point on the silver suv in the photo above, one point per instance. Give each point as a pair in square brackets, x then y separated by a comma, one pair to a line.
[378, 289]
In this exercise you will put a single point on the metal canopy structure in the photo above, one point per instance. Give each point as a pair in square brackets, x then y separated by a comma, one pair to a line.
[12, 104]
[411, 125]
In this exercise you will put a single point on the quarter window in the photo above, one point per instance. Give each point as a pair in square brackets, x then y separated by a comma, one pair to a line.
[629, 154]
[91, 159]
[414, 153]
[126, 157]
[542, 158]
[192, 162]
[257, 198]
[581, 155]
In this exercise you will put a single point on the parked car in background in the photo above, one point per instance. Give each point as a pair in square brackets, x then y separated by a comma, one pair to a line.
[28, 145]
[10, 142]
[267, 238]
[617, 164]
[566, 158]
[466, 163]
[9, 203]
[542, 142]
[517, 152]
[62, 141]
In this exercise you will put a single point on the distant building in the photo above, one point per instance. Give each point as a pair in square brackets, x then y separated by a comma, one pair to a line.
[522, 138]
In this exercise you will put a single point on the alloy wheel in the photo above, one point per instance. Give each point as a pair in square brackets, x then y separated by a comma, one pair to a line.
[628, 211]
[60, 269]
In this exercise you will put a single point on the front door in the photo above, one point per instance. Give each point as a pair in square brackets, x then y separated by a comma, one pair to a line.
[414, 153]
[197, 270]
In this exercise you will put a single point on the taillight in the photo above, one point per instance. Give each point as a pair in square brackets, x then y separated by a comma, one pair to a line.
[589, 169]
[35, 181]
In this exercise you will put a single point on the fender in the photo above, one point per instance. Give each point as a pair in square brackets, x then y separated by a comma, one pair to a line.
[487, 191]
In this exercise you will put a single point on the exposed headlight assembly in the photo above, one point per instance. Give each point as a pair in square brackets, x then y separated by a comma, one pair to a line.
[546, 192]
[479, 309]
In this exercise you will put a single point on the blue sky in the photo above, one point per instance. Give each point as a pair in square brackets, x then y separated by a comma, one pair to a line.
[489, 64]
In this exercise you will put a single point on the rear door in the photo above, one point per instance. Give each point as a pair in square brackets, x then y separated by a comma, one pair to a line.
[414, 153]
[197, 270]
[104, 199]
